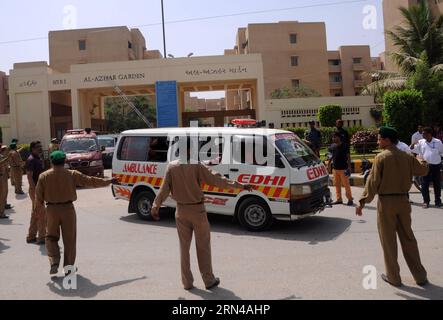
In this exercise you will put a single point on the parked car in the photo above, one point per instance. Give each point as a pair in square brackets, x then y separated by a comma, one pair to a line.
[108, 142]
[83, 152]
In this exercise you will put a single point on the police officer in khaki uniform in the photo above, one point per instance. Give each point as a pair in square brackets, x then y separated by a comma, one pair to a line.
[57, 187]
[391, 179]
[16, 164]
[183, 181]
[54, 146]
[4, 162]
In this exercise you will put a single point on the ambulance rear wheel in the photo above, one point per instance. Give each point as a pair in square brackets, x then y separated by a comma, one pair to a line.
[254, 215]
[143, 203]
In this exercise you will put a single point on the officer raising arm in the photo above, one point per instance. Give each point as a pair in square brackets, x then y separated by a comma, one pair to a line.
[390, 178]
[57, 187]
[183, 181]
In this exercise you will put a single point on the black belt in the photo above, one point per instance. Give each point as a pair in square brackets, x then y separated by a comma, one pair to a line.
[58, 204]
[393, 195]
[190, 204]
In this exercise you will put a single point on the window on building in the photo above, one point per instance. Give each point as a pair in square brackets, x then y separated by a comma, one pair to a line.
[293, 38]
[357, 60]
[82, 45]
[129, 44]
[334, 62]
[295, 83]
[335, 78]
[294, 61]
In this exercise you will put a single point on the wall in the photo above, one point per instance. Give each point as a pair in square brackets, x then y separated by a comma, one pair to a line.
[298, 112]
[4, 100]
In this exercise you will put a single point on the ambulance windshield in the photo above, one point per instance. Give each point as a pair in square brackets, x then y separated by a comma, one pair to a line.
[295, 150]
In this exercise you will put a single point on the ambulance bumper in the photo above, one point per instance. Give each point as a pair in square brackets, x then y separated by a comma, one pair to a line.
[314, 204]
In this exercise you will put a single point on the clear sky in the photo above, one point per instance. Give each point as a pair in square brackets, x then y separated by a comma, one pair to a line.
[22, 20]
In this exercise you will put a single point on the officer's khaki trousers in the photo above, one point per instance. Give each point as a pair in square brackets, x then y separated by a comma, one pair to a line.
[37, 225]
[61, 217]
[193, 219]
[394, 218]
[17, 178]
[3, 192]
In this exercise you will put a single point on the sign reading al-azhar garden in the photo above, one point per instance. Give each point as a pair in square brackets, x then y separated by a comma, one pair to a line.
[167, 103]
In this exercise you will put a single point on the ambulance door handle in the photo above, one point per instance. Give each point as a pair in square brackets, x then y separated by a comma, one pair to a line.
[233, 170]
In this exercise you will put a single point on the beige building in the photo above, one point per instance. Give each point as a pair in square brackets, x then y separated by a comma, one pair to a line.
[81, 46]
[295, 54]
[4, 99]
[392, 17]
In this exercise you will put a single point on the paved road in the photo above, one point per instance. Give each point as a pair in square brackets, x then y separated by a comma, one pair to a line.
[121, 257]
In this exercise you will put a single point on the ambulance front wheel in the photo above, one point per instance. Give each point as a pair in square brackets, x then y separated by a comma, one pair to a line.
[254, 214]
[143, 203]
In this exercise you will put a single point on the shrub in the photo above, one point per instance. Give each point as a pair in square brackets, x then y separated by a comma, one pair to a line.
[328, 115]
[300, 132]
[326, 134]
[364, 141]
[404, 111]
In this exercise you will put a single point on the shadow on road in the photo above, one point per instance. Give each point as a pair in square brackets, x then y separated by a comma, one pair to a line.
[218, 293]
[86, 289]
[313, 230]
[3, 247]
[430, 292]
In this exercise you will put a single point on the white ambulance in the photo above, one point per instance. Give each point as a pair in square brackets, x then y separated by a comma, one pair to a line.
[290, 182]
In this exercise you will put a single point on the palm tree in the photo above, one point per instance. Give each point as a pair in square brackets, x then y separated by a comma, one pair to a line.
[420, 33]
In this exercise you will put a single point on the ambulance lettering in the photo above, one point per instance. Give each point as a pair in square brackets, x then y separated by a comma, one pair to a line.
[216, 201]
[316, 172]
[258, 179]
[140, 168]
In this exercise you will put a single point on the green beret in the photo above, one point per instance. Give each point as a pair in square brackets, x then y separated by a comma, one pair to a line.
[388, 132]
[57, 155]
[14, 141]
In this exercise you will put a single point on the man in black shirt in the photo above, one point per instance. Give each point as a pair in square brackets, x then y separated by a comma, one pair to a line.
[34, 167]
[314, 137]
[341, 165]
[344, 134]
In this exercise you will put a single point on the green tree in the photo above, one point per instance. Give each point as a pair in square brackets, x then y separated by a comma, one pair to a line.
[404, 111]
[300, 92]
[420, 33]
[122, 117]
[329, 114]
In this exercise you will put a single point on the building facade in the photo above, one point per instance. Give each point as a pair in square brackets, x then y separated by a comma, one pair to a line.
[392, 17]
[295, 55]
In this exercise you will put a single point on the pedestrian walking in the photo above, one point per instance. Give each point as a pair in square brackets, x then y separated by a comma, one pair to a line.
[4, 162]
[314, 137]
[54, 145]
[183, 181]
[34, 167]
[16, 164]
[430, 150]
[391, 179]
[57, 188]
[341, 168]
[417, 136]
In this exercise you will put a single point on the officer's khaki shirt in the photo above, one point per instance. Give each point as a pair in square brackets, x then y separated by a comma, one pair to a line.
[183, 181]
[58, 185]
[4, 162]
[15, 160]
[392, 173]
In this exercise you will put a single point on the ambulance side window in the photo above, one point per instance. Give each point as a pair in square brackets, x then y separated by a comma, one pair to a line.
[252, 150]
[133, 149]
[158, 149]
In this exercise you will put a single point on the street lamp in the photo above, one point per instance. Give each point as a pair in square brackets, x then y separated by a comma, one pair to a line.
[164, 33]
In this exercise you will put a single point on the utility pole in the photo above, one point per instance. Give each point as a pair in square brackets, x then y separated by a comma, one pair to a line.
[164, 33]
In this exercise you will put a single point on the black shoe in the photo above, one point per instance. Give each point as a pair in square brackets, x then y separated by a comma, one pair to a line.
[385, 279]
[20, 193]
[8, 206]
[69, 272]
[189, 288]
[438, 205]
[337, 202]
[54, 269]
[31, 240]
[214, 284]
[425, 206]
[350, 203]
[4, 217]
[423, 283]
[41, 241]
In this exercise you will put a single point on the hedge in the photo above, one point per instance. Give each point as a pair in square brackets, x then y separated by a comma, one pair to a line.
[329, 114]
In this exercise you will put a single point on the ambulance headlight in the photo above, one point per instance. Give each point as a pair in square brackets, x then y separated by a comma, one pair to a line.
[300, 191]
[96, 163]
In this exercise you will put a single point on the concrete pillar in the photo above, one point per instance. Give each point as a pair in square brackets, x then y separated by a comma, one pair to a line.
[75, 109]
